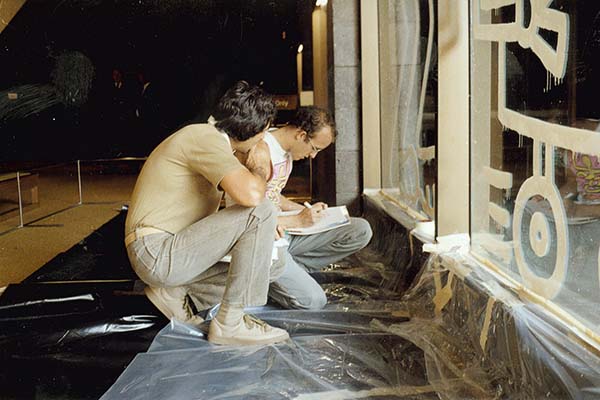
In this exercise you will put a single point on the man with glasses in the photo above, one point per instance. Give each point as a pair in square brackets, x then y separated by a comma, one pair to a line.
[310, 131]
[175, 235]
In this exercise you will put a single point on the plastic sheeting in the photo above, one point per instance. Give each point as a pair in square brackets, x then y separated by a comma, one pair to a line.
[61, 339]
[468, 337]
[481, 341]
[336, 353]
[70, 340]
[320, 362]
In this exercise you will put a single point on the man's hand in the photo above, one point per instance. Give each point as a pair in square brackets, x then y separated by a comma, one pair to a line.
[258, 160]
[310, 216]
[288, 205]
[307, 217]
[321, 205]
[279, 232]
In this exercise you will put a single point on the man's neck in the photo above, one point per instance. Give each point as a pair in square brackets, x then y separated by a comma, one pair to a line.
[285, 136]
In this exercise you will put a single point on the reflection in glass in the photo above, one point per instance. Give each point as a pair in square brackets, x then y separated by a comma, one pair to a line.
[408, 98]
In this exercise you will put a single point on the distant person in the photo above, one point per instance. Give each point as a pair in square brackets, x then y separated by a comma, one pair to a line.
[310, 131]
[175, 235]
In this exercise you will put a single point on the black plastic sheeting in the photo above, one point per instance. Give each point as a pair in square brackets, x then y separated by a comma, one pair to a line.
[70, 340]
[71, 329]
[100, 256]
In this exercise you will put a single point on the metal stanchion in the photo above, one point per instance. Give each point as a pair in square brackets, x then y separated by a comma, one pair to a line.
[20, 200]
[79, 181]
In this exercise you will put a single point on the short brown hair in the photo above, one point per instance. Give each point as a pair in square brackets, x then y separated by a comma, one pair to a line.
[311, 119]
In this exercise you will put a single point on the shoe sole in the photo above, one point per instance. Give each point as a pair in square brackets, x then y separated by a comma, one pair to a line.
[247, 342]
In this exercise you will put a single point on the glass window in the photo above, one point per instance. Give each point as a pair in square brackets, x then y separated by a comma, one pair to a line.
[408, 98]
[535, 178]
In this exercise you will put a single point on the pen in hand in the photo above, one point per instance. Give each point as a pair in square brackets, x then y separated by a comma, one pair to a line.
[314, 217]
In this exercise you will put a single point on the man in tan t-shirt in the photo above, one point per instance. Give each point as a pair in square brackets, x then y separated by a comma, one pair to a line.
[175, 235]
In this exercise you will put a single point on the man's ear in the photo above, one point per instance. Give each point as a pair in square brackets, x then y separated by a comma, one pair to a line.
[300, 135]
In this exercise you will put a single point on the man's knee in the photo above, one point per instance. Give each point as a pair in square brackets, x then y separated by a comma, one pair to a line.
[314, 300]
[266, 211]
[277, 266]
[362, 232]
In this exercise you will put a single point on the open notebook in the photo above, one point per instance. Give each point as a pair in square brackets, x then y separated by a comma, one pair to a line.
[333, 217]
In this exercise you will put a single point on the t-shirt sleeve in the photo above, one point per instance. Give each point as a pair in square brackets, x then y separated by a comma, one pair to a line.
[211, 156]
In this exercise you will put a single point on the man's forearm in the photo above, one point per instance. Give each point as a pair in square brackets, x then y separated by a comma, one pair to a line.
[244, 187]
[291, 221]
[288, 205]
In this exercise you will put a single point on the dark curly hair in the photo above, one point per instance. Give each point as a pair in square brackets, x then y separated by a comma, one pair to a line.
[311, 119]
[244, 110]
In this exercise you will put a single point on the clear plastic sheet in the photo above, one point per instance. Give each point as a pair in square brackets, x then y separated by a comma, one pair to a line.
[481, 341]
[182, 364]
[336, 353]
[468, 337]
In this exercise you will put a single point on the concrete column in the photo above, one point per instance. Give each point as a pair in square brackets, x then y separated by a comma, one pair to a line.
[371, 107]
[347, 101]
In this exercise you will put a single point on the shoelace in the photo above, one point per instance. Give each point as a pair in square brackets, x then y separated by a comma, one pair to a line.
[187, 306]
[250, 319]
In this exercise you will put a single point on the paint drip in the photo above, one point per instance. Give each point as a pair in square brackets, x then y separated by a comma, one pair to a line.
[551, 81]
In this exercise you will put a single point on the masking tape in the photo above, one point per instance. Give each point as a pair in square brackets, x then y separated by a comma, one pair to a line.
[486, 323]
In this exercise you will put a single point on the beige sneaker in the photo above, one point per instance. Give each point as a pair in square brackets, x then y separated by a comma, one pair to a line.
[250, 331]
[174, 303]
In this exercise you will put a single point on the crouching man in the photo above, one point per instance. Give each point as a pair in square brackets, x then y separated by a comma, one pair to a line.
[309, 132]
[175, 235]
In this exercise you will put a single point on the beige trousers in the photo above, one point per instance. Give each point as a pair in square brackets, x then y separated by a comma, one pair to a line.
[190, 258]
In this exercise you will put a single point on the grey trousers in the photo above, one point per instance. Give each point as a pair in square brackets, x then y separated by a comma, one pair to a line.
[190, 258]
[295, 288]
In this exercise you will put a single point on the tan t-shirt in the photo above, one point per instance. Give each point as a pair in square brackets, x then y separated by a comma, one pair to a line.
[178, 184]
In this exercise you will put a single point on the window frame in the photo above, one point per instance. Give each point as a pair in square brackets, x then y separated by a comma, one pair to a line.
[460, 210]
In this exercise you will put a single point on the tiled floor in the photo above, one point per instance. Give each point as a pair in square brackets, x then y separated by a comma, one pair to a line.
[48, 231]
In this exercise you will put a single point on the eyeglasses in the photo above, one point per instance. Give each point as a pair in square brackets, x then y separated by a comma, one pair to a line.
[314, 149]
